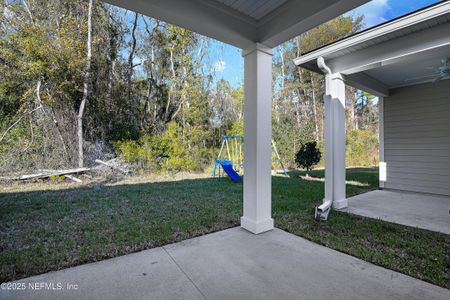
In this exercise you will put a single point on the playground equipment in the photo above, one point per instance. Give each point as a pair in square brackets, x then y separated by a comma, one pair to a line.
[233, 164]
[279, 158]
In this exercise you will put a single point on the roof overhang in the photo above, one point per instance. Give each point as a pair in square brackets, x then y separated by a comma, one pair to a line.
[225, 21]
[383, 57]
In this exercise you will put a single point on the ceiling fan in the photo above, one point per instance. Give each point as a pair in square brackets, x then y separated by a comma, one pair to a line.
[440, 73]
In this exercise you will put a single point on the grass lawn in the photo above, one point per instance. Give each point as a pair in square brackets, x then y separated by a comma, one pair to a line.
[49, 227]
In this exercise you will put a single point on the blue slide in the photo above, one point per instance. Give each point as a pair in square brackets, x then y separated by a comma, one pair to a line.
[228, 168]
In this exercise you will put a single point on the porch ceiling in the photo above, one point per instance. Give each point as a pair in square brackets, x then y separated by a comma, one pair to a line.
[243, 22]
[406, 51]
[413, 69]
[253, 8]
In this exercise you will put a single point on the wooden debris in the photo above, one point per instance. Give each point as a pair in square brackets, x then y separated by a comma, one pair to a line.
[47, 173]
[73, 178]
[109, 164]
[2, 178]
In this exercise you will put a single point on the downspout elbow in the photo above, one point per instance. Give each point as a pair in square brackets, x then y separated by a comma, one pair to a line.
[321, 64]
[322, 211]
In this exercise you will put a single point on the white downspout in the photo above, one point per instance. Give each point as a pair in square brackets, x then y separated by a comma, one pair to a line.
[321, 64]
[322, 211]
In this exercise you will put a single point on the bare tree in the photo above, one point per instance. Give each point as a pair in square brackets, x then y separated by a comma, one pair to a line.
[87, 76]
[353, 124]
[134, 130]
[111, 59]
[55, 121]
[314, 109]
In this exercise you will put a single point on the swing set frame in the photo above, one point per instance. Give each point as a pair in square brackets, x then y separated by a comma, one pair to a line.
[234, 142]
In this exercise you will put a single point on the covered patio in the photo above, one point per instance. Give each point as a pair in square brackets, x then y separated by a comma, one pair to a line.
[256, 27]
[256, 260]
[420, 210]
[406, 64]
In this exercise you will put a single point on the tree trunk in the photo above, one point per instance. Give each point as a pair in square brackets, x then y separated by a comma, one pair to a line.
[147, 100]
[87, 76]
[298, 112]
[111, 66]
[353, 123]
[172, 68]
[53, 116]
[134, 131]
[314, 107]
[27, 8]
[283, 74]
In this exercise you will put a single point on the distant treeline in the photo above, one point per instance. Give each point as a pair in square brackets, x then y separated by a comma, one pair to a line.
[81, 80]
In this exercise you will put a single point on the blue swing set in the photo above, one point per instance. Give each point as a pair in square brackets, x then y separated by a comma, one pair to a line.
[233, 164]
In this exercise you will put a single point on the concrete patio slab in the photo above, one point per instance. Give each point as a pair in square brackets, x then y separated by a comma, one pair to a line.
[150, 274]
[425, 211]
[234, 264]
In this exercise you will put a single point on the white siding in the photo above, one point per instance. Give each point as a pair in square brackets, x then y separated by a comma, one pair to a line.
[417, 138]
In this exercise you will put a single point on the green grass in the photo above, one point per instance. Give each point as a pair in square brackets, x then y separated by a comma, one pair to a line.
[50, 229]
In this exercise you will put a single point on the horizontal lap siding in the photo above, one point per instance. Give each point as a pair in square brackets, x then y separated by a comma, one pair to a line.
[417, 138]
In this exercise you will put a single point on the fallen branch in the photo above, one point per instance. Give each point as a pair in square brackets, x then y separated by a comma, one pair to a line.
[2, 178]
[73, 178]
[108, 164]
[50, 173]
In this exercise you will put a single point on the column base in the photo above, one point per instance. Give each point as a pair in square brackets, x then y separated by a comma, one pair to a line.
[340, 204]
[257, 227]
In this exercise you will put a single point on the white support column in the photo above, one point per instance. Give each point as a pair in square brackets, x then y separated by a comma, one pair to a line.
[382, 166]
[335, 141]
[257, 216]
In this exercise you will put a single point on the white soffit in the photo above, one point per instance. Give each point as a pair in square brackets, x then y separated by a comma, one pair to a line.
[406, 51]
[430, 17]
[413, 69]
[243, 22]
[255, 9]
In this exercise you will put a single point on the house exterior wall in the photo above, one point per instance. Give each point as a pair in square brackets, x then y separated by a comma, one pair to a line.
[417, 138]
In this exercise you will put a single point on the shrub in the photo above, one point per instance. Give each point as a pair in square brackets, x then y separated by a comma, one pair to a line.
[308, 156]
[56, 178]
[149, 152]
[169, 152]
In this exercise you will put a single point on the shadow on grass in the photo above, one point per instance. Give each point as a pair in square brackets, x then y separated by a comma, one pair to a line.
[416, 252]
[53, 229]
[48, 230]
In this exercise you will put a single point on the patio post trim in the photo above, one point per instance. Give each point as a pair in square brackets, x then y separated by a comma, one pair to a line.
[257, 216]
[334, 137]
[382, 165]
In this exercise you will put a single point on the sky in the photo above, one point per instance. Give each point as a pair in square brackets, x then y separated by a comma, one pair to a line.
[228, 62]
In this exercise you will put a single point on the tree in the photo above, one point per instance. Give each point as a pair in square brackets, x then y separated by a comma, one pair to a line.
[87, 77]
[308, 156]
[223, 105]
[131, 100]
[77, 77]
[42, 58]
[298, 107]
